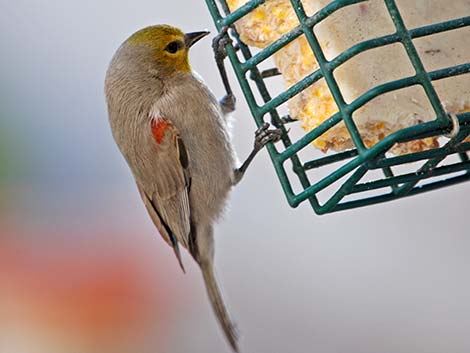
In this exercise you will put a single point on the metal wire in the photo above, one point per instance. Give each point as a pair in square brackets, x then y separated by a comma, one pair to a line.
[360, 161]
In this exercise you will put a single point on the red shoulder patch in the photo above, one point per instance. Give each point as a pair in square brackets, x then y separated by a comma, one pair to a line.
[159, 127]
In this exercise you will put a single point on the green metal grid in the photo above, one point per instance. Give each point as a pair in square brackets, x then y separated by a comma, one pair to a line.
[361, 160]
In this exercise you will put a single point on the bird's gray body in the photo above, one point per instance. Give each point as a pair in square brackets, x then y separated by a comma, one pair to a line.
[183, 200]
[204, 130]
[187, 102]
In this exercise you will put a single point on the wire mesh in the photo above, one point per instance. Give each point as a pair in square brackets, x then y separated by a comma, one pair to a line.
[355, 182]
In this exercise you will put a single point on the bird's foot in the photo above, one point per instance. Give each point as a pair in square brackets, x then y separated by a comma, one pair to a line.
[264, 135]
[228, 102]
[219, 42]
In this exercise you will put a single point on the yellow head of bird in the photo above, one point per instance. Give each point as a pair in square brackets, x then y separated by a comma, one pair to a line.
[169, 45]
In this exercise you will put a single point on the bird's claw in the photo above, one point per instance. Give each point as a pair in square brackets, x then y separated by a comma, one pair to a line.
[219, 42]
[264, 135]
[228, 102]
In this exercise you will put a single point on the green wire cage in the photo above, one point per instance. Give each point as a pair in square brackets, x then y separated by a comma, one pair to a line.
[365, 176]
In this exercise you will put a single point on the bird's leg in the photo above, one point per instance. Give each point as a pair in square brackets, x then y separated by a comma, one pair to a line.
[263, 136]
[227, 103]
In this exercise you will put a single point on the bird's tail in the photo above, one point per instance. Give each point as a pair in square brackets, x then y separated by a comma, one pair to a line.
[218, 305]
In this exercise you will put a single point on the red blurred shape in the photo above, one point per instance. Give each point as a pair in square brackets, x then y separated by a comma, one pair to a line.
[106, 291]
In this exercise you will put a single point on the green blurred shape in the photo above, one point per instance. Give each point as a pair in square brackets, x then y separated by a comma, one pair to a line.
[9, 168]
[6, 164]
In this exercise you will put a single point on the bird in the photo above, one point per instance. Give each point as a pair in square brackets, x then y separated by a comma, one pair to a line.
[174, 135]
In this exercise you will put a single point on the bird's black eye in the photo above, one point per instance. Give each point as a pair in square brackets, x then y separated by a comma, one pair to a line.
[173, 47]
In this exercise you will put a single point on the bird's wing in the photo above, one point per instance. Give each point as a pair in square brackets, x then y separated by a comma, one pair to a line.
[167, 201]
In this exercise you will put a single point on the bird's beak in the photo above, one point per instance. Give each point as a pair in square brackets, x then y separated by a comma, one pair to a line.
[193, 37]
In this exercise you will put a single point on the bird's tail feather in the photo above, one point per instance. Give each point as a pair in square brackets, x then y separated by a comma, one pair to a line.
[218, 305]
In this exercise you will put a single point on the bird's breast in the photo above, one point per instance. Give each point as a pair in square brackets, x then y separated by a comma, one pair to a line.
[195, 112]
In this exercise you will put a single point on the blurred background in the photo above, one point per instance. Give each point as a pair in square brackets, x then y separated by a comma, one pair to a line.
[82, 269]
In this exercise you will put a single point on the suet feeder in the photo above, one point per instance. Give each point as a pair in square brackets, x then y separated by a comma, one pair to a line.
[361, 175]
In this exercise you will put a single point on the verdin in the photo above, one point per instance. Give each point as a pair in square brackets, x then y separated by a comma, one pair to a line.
[173, 134]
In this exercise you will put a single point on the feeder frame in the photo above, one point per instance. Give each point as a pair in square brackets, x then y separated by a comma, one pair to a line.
[360, 160]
